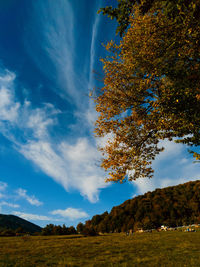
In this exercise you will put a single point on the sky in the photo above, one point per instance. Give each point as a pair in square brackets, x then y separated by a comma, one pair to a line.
[49, 160]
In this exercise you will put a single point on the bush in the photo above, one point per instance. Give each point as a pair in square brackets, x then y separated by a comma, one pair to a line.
[89, 231]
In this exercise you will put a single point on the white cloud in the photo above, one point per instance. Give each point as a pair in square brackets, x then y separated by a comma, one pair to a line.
[7, 77]
[8, 108]
[44, 156]
[31, 122]
[38, 120]
[35, 217]
[31, 199]
[72, 166]
[8, 111]
[71, 213]
[172, 167]
[91, 115]
[103, 141]
[3, 186]
[144, 185]
[11, 205]
[83, 159]
[172, 150]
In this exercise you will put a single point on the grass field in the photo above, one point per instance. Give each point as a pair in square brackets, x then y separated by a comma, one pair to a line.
[145, 249]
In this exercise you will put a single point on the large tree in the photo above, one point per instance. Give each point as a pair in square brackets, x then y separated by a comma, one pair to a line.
[151, 89]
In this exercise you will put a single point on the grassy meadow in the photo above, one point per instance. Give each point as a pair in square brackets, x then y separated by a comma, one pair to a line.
[145, 249]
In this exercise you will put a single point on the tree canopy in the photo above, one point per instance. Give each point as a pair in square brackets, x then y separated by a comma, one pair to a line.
[151, 88]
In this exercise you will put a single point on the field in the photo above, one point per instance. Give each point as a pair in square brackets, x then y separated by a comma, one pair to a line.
[145, 249]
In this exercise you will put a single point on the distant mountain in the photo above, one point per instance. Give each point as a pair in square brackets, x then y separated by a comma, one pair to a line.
[13, 222]
[172, 206]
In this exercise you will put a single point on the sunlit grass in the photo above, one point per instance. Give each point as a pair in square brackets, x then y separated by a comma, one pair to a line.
[146, 249]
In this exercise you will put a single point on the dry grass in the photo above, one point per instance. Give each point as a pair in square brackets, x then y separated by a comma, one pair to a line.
[146, 249]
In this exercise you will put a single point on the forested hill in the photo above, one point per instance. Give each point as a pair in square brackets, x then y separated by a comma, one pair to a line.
[13, 222]
[171, 206]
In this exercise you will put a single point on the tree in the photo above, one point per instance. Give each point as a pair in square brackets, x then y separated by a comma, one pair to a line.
[72, 230]
[48, 229]
[79, 228]
[151, 89]
[65, 230]
[89, 231]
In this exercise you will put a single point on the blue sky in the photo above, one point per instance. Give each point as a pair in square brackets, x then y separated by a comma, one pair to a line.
[49, 162]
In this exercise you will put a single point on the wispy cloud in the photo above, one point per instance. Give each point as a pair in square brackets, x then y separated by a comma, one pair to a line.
[34, 217]
[31, 123]
[22, 193]
[73, 165]
[70, 213]
[50, 42]
[83, 160]
[8, 109]
[90, 113]
[95, 29]
[51, 34]
[7, 77]
[11, 205]
[39, 121]
[3, 186]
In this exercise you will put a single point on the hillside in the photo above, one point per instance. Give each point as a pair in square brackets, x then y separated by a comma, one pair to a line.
[13, 222]
[172, 206]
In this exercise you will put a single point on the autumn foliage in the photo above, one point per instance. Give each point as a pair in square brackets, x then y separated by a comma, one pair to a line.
[151, 90]
[172, 206]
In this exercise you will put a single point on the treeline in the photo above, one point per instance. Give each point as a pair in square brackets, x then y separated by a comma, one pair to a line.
[171, 206]
[51, 229]
[16, 232]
